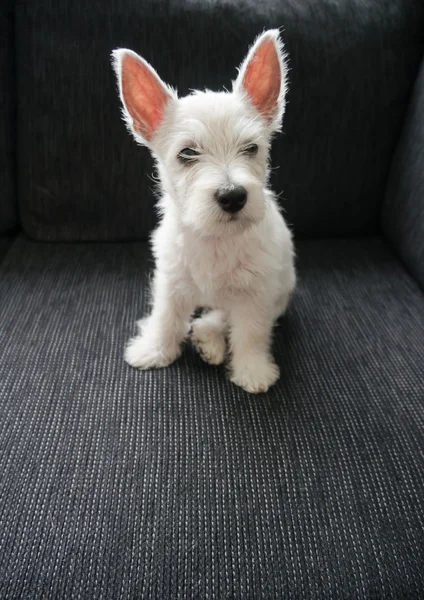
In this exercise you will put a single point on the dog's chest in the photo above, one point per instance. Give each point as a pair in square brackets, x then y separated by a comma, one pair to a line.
[219, 269]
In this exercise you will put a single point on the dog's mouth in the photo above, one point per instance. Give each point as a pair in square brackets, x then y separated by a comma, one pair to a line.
[229, 218]
[239, 220]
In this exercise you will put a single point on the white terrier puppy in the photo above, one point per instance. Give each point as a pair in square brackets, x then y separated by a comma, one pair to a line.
[222, 242]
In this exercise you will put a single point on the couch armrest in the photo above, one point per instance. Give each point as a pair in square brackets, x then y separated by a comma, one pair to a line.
[403, 212]
[8, 212]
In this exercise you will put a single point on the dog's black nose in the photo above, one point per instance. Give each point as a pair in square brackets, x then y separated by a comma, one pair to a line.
[232, 199]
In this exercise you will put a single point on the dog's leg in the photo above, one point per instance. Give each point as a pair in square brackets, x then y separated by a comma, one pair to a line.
[161, 334]
[286, 294]
[208, 335]
[282, 304]
[252, 365]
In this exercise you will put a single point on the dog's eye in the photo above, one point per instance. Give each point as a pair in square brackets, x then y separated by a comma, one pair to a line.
[188, 155]
[251, 149]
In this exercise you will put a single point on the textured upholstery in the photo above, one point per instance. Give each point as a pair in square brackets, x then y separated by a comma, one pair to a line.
[353, 63]
[174, 484]
[403, 215]
[8, 216]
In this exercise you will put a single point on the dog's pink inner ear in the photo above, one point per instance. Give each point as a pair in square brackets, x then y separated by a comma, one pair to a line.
[262, 79]
[144, 95]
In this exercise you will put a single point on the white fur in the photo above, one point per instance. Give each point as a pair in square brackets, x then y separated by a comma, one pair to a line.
[242, 268]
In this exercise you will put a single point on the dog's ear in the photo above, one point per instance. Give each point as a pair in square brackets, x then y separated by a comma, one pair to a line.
[263, 77]
[143, 94]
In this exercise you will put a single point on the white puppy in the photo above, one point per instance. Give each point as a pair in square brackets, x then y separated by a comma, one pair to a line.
[222, 242]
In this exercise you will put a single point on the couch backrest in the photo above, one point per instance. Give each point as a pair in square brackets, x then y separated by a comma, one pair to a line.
[403, 213]
[8, 212]
[353, 63]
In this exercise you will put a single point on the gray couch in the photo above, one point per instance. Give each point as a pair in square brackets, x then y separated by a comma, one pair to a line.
[174, 484]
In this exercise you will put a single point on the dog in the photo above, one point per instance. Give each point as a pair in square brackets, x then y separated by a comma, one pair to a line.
[222, 242]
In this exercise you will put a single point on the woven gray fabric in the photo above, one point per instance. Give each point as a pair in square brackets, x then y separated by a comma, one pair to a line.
[403, 214]
[353, 64]
[8, 217]
[174, 484]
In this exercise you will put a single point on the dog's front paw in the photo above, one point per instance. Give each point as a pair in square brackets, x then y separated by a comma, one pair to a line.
[143, 354]
[255, 375]
[208, 341]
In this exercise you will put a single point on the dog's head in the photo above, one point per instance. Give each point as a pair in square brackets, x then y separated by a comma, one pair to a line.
[212, 148]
